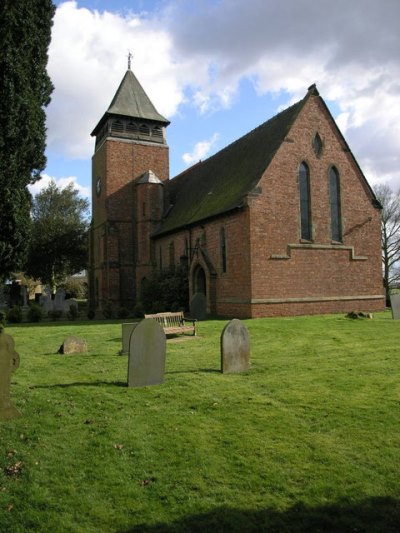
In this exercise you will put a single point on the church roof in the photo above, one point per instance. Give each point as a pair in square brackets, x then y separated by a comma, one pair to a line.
[220, 183]
[131, 100]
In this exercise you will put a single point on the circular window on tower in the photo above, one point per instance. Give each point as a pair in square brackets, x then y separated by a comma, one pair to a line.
[98, 186]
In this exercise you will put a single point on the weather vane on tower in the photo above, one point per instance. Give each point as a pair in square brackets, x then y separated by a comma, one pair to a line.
[129, 59]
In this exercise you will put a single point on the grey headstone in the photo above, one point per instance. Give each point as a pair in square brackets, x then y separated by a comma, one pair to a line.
[198, 306]
[9, 362]
[235, 347]
[395, 305]
[127, 330]
[59, 299]
[147, 348]
[73, 345]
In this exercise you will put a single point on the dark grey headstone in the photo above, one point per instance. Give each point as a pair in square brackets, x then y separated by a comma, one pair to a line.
[147, 350]
[235, 347]
[127, 330]
[198, 306]
[9, 362]
[395, 305]
[73, 345]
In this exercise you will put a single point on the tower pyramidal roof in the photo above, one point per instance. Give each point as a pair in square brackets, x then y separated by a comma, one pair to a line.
[131, 101]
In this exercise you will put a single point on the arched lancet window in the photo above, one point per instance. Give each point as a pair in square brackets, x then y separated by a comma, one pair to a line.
[336, 215]
[171, 254]
[222, 242]
[144, 129]
[131, 127]
[117, 125]
[157, 132]
[305, 204]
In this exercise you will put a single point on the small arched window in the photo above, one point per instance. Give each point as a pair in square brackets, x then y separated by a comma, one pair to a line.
[117, 126]
[336, 210]
[317, 144]
[222, 240]
[144, 129]
[305, 204]
[131, 127]
[157, 132]
[171, 254]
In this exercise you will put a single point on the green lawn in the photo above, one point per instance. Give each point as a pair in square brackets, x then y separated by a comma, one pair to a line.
[307, 440]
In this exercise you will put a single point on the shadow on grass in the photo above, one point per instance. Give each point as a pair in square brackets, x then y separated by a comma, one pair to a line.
[81, 384]
[194, 371]
[372, 515]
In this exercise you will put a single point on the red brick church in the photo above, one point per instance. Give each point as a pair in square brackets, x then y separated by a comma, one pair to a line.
[280, 222]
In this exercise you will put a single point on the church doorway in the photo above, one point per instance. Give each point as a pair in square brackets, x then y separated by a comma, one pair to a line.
[199, 279]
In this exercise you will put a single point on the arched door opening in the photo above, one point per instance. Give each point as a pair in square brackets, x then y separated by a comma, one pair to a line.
[199, 279]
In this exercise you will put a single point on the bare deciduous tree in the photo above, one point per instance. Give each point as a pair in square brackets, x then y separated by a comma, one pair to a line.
[390, 236]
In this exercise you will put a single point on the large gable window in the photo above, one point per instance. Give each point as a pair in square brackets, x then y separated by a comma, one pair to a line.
[305, 204]
[336, 216]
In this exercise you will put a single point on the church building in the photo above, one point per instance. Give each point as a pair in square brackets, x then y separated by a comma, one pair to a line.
[281, 222]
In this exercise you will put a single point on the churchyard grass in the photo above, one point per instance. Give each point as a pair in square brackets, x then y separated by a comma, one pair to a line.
[307, 440]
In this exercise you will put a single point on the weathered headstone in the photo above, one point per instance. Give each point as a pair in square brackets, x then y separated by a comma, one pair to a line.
[73, 345]
[127, 330]
[395, 305]
[198, 306]
[9, 362]
[46, 301]
[235, 347]
[147, 348]
[59, 299]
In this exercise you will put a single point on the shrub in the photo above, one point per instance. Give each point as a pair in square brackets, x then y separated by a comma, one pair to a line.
[75, 288]
[2, 320]
[91, 314]
[166, 291]
[35, 313]
[107, 310]
[138, 311]
[14, 315]
[122, 312]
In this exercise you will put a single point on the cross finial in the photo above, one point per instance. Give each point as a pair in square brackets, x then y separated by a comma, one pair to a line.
[129, 59]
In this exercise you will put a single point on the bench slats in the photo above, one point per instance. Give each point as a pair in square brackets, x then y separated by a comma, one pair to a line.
[173, 322]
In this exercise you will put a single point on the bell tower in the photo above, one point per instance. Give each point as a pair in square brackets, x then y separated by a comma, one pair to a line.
[130, 141]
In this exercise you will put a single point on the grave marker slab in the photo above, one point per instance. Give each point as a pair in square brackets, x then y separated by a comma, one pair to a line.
[127, 330]
[198, 306]
[395, 305]
[235, 347]
[9, 362]
[147, 349]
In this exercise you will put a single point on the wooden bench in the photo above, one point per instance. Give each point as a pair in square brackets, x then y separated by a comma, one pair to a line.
[174, 322]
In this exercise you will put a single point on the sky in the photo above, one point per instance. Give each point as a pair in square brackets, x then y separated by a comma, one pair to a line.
[219, 68]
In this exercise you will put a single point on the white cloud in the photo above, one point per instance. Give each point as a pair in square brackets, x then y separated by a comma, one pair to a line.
[87, 60]
[200, 150]
[61, 184]
[198, 52]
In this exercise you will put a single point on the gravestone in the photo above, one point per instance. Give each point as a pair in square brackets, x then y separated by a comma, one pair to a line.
[198, 306]
[147, 348]
[235, 347]
[395, 305]
[9, 362]
[127, 330]
[59, 299]
[73, 345]
[46, 301]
